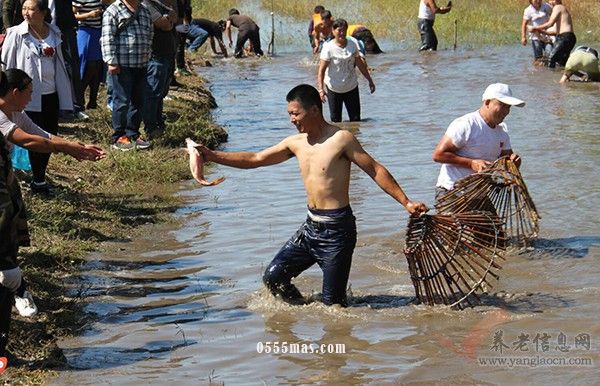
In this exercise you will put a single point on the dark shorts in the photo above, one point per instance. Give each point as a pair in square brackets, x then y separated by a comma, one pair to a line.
[329, 244]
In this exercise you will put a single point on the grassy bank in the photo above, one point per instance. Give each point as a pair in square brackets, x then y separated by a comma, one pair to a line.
[479, 22]
[95, 203]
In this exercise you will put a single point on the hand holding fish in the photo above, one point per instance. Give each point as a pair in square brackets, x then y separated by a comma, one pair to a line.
[197, 164]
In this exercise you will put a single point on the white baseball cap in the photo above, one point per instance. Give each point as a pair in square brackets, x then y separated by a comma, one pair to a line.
[501, 92]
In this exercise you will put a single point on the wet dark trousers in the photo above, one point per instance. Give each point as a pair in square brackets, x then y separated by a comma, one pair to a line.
[336, 100]
[243, 36]
[428, 38]
[562, 49]
[330, 245]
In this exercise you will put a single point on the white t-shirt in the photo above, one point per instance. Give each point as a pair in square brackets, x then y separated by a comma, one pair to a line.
[340, 75]
[474, 139]
[536, 17]
[425, 12]
[22, 121]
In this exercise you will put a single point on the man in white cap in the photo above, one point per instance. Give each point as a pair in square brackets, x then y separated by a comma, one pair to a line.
[475, 140]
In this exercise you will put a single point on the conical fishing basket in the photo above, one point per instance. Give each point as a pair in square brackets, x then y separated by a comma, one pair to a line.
[500, 190]
[451, 257]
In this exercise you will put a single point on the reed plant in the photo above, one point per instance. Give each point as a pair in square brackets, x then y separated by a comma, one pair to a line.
[478, 22]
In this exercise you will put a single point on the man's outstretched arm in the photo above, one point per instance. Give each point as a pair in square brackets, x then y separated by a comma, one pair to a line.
[249, 160]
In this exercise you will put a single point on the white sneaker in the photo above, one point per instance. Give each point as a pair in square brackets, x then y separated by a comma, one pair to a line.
[25, 305]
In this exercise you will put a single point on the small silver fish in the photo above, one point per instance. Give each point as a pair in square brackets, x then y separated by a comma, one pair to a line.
[197, 165]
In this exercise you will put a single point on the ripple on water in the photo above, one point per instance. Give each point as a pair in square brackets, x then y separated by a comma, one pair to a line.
[193, 297]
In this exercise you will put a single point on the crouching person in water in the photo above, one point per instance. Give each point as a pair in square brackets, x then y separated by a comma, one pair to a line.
[365, 38]
[583, 62]
[328, 236]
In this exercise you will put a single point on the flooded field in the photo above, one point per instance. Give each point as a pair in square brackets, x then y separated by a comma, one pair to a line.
[186, 304]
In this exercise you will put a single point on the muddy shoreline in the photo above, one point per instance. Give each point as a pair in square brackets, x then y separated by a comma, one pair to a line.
[113, 200]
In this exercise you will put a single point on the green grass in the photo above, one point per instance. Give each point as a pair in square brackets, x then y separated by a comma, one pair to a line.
[479, 22]
[97, 202]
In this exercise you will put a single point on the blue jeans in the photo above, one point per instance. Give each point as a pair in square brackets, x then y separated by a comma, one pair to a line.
[329, 244]
[108, 87]
[540, 47]
[127, 101]
[197, 36]
[158, 77]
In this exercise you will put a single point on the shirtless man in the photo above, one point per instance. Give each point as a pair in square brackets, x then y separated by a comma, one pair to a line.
[328, 235]
[565, 37]
[322, 31]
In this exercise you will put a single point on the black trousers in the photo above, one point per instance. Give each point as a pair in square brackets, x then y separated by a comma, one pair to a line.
[562, 49]
[352, 101]
[329, 244]
[71, 55]
[47, 119]
[248, 34]
[180, 54]
[429, 40]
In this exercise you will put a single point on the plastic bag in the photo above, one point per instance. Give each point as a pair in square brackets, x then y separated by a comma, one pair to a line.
[20, 158]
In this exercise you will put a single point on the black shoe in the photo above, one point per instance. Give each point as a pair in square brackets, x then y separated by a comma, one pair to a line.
[12, 360]
[154, 134]
[40, 188]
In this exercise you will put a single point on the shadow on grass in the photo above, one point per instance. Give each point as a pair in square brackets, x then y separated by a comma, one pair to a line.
[99, 217]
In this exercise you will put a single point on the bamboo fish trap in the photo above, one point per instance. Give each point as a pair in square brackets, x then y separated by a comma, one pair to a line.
[452, 256]
[499, 190]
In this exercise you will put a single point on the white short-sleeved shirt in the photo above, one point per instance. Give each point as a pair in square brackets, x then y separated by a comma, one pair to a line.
[425, 12]
[22, 121]
[340, 75]
[474, 139]
[537, 17]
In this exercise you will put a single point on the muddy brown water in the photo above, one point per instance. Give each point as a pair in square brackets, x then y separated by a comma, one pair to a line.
[185, 305]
